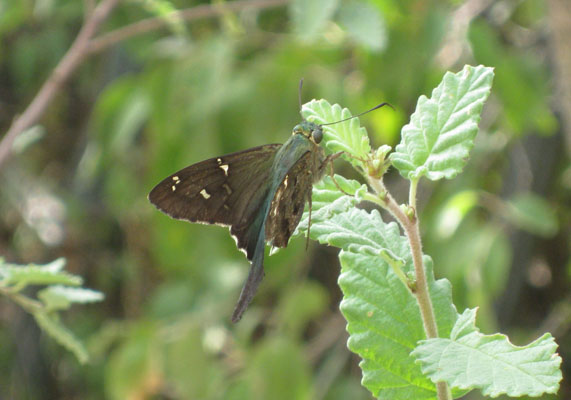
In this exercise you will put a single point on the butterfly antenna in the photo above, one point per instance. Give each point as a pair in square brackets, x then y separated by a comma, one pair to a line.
[358, 115]
[299, 93]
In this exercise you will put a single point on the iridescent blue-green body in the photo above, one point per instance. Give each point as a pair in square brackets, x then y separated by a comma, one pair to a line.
[260, 193]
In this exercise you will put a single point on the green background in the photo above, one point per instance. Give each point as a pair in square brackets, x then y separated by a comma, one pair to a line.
[151, 104]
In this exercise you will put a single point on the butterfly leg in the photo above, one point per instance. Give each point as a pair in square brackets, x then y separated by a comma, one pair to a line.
[329, 160]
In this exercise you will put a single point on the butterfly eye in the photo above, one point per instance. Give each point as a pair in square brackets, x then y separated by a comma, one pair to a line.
[317, 134]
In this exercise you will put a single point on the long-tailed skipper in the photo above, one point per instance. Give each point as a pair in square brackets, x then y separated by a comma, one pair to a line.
[260, 193]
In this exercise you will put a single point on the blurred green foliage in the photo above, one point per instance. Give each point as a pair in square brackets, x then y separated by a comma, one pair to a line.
[159, 101]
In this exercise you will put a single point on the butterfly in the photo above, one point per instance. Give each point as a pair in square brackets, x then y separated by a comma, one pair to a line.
[260, 193]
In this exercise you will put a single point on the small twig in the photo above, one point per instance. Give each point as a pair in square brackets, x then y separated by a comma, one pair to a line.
[68, 64]
[26, 303]
[203, 11]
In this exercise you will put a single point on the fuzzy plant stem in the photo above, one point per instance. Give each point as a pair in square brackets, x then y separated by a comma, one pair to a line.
[410, 226]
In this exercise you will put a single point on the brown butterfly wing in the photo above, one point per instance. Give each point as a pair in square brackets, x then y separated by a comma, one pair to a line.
[226, 190]
[289, 201]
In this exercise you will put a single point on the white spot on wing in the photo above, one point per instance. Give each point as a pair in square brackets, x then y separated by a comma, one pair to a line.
[224, 167]
[173, 187]
[204, 193]
[176, 179]
[285, 180]
[219, 161]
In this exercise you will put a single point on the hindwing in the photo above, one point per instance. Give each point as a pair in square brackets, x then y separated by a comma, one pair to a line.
[289, 201]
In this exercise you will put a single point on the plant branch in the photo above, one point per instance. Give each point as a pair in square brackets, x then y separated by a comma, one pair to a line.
[85, 45]
[411, 230]
[26, 303]
[67, 65]
[412, 194]
[410, 226]
[150, 24]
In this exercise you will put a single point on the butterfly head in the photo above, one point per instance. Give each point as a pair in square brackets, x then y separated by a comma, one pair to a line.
[311, 130]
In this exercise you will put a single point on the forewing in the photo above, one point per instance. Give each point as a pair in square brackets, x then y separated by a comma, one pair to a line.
[288, 203]
[220, 190]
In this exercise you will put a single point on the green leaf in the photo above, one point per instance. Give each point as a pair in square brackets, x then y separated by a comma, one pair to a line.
[337, 222]
[349, 186]
[53, 301]
[359, 231]
[327, 200]
[437, 141]
[346, 136]
[61, 297]
[471, 360]
[384, 324]
[365, 24]
[383, 317]
[77, 295]
[532, 213]
[33, 274]
[53, 298]
[51, 325]
[310, 17]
